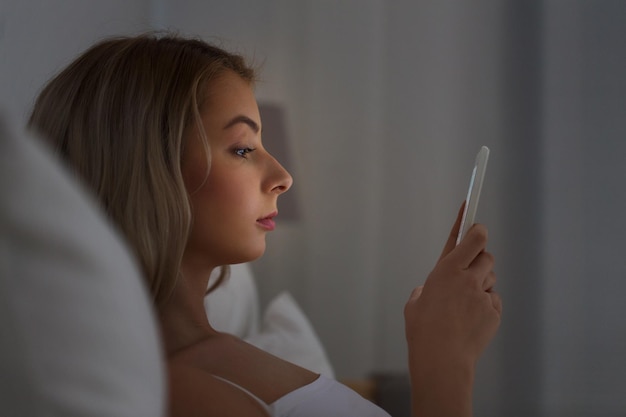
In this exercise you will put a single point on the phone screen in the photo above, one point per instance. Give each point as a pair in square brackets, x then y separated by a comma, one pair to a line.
[473, 192]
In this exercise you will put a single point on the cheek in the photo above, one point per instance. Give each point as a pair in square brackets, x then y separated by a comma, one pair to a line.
[224, 195]
[222, 203]
[224, 228]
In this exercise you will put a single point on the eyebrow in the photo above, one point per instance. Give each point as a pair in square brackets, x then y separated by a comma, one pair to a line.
[245, 120]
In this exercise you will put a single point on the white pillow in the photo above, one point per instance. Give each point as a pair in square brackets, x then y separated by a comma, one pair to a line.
[287, 333]
[78, 334]
[284, 329]
[233, 307]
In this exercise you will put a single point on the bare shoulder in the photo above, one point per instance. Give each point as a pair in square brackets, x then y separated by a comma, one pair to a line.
[266, 376]
[194, 392]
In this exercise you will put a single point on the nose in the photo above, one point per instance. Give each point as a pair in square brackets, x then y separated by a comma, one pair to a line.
[279, 179]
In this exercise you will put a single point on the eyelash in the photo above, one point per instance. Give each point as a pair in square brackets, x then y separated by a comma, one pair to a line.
[243, 152]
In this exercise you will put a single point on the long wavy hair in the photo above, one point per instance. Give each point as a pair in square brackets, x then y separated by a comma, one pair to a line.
[117, 115]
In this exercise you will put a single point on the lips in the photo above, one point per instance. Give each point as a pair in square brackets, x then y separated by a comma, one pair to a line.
[267, 222]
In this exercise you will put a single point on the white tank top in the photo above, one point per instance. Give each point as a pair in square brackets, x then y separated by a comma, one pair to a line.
[322, 397]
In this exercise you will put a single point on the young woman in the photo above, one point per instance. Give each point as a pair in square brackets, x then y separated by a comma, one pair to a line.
[167, 133]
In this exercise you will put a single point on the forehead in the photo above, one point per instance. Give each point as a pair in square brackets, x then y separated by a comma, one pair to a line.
[229, 95]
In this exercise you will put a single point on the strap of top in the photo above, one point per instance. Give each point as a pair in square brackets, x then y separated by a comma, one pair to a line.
[268, 409]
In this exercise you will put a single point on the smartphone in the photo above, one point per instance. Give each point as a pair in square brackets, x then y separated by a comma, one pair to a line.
[473, 192]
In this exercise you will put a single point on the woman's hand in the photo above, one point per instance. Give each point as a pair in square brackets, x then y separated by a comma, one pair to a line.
[450, 321]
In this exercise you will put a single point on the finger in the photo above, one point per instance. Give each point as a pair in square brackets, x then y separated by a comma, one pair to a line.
[489, 282]
[483, 263]
[471, 246]
[480, 269]
[451, 242]
[496, 301]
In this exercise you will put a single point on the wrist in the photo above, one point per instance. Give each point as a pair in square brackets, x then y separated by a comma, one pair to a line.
[441, 388]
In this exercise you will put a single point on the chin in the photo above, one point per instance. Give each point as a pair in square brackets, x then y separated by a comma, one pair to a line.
[249, 255]
[256, 255]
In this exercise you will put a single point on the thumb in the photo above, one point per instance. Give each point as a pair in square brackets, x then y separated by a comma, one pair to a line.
[451, 242]
[415, 294]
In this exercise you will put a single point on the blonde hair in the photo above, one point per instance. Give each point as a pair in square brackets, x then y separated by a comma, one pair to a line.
[117, 116]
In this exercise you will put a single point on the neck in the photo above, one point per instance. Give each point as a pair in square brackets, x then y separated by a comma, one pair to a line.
[183, 318]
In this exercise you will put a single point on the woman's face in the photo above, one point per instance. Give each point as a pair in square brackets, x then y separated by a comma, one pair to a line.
[234, 206]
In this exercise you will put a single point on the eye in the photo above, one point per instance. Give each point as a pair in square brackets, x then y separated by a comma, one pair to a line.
[243, 152]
